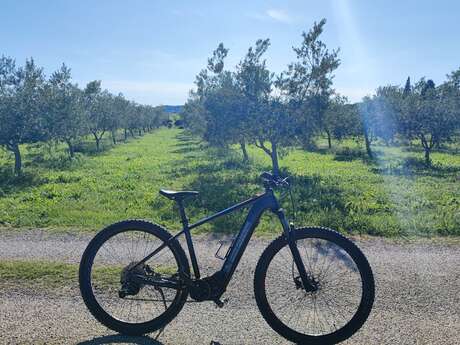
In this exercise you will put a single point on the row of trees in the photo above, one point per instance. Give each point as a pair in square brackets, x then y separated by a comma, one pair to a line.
[35, 109]
[252, 105]
[422, 112]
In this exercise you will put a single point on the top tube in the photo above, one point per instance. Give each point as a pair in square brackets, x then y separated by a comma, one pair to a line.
[225, 211]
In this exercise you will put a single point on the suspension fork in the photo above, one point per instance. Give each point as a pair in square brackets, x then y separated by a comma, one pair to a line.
[290, 237]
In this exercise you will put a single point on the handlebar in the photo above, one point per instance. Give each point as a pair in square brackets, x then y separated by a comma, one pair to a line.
[273, 180]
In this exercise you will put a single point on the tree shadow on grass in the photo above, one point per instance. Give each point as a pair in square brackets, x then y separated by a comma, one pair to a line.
[89, 148]
[37, 157]
[187, 144]
[10, 183]
[314, 192]
[215, 158]
[218, 191]
[443, 149]
[347, 154]
[413, 166]
[45, 156]
[186, 149]
[223, 182]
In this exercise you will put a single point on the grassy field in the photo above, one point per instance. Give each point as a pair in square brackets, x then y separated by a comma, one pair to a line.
[392, 195]
[38, 274]
[49, 274]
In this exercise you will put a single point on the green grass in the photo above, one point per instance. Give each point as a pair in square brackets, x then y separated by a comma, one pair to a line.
[51, 274]
[38, 274]
[393, 195]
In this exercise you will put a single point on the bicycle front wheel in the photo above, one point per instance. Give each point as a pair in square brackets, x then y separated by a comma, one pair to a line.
[344, 292]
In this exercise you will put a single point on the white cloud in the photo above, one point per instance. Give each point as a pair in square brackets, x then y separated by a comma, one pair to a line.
[279, 15]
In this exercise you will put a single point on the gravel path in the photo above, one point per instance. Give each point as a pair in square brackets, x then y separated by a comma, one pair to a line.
[417, 299]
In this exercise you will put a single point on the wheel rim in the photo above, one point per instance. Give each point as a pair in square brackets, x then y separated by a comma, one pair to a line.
[332, 306]
[114, 255]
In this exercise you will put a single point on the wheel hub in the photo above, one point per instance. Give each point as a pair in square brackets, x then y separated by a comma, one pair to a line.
[316, 286]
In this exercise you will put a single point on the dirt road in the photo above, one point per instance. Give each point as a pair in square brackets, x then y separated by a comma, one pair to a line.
[417, 299]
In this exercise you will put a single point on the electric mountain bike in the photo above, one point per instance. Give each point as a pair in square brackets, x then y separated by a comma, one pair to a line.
[312, 285]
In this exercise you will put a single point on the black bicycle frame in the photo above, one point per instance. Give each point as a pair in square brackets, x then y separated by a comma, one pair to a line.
[260, 204]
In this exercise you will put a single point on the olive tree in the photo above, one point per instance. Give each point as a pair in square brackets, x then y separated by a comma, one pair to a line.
[21, 106]
[98, 112]
[65, 118]
[216, 110]
[307, 83]
[429, 114]
[341, 120]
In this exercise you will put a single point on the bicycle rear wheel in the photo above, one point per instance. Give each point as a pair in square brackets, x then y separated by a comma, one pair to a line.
[119, 303]
[344, 295]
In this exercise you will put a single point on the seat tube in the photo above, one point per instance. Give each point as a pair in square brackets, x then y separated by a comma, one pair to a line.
[191, 250]
[188, 238]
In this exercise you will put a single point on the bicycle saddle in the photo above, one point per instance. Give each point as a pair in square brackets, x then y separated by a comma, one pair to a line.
[177, 195]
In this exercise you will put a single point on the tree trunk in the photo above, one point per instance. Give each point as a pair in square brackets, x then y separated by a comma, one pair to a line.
[97, 141]
[329, 139]
[140, 132]
[427, 149]
[368, 144]
[132, 133]
[126, 134]
[17, 159]
[274, 157]
[71, 150]
[245, 152]
[114, 138]
[427, 156]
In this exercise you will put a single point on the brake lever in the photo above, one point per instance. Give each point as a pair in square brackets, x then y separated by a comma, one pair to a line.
[282, 182]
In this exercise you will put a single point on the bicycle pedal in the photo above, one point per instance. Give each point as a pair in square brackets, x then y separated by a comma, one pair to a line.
[219, 303]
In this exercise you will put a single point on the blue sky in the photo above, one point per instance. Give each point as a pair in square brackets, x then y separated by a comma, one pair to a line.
[151, 50]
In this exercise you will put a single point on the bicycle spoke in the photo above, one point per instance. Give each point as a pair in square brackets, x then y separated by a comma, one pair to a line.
[116, 254]
[316, 313]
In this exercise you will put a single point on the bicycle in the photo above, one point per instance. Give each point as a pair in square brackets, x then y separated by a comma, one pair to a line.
[312, 285]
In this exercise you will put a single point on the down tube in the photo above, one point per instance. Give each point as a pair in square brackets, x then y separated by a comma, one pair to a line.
[241, 241]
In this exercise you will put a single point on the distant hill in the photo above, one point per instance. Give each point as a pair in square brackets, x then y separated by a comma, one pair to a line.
[172, 108]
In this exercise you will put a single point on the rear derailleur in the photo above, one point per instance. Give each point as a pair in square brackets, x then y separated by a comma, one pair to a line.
[134, 277]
